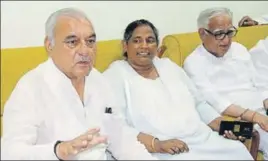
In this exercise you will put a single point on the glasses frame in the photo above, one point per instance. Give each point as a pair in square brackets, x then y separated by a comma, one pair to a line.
[225, 34]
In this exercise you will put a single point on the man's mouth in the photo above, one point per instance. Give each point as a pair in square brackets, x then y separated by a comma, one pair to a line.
[86, 63]
[224, 46]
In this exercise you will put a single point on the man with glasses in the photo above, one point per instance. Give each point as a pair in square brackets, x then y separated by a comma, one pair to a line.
[224, 73]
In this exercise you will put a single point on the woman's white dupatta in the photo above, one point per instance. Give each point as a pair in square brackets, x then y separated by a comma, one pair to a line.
[178, 119]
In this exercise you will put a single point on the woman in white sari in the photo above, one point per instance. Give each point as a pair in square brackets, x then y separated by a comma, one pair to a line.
[161, 104]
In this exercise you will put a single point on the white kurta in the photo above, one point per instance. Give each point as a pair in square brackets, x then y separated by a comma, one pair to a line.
[227, 80]
[259, 55]
[166, 108]
[45, 107]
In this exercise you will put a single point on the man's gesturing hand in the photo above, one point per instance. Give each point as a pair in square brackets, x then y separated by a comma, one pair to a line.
[68, 149]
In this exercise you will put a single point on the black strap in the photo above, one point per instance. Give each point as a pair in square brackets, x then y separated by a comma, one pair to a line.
[55, 149]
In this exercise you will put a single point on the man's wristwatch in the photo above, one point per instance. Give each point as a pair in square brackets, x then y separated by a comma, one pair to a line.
[55, 148]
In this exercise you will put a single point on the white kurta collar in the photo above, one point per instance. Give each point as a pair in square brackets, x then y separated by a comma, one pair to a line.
[213, 58]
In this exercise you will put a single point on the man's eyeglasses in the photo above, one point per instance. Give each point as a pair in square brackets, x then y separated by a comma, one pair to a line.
[220, 35]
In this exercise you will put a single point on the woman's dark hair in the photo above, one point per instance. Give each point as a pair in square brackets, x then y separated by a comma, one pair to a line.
[133, 25]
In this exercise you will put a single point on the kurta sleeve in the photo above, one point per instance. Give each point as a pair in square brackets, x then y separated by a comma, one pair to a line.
[206, 112]
[20, 127]
[254, 78]
[196, 72]
[259, 57]
[123, 142]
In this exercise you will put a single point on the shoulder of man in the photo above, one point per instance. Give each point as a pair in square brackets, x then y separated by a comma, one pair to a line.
[31, 77]
[238, 45]
[195, 58]
[27, 85]
[239, 51]
[260, 46]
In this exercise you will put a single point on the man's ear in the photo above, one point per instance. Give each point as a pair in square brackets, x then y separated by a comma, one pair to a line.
[48, 45]
[201, 33]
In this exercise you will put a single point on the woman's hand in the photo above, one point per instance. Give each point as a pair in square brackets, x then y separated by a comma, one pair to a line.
[172, 146]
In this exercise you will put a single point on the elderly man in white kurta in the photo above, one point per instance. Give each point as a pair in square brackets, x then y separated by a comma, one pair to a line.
[224, 73]
[57, 110]
[160, 103]
[259, 55]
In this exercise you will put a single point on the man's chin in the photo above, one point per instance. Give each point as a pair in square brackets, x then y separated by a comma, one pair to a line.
[83, 73]
[219, 55]
[222, 52]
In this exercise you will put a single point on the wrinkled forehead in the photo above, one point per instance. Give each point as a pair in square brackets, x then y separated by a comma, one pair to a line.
[79, 27]
[220, 22]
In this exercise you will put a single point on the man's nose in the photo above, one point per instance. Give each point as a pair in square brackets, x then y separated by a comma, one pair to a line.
[83, 53]
[226, 39]
[83, 48]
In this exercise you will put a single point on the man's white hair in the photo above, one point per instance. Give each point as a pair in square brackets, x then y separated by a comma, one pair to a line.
[53, 18]
[206, 15]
